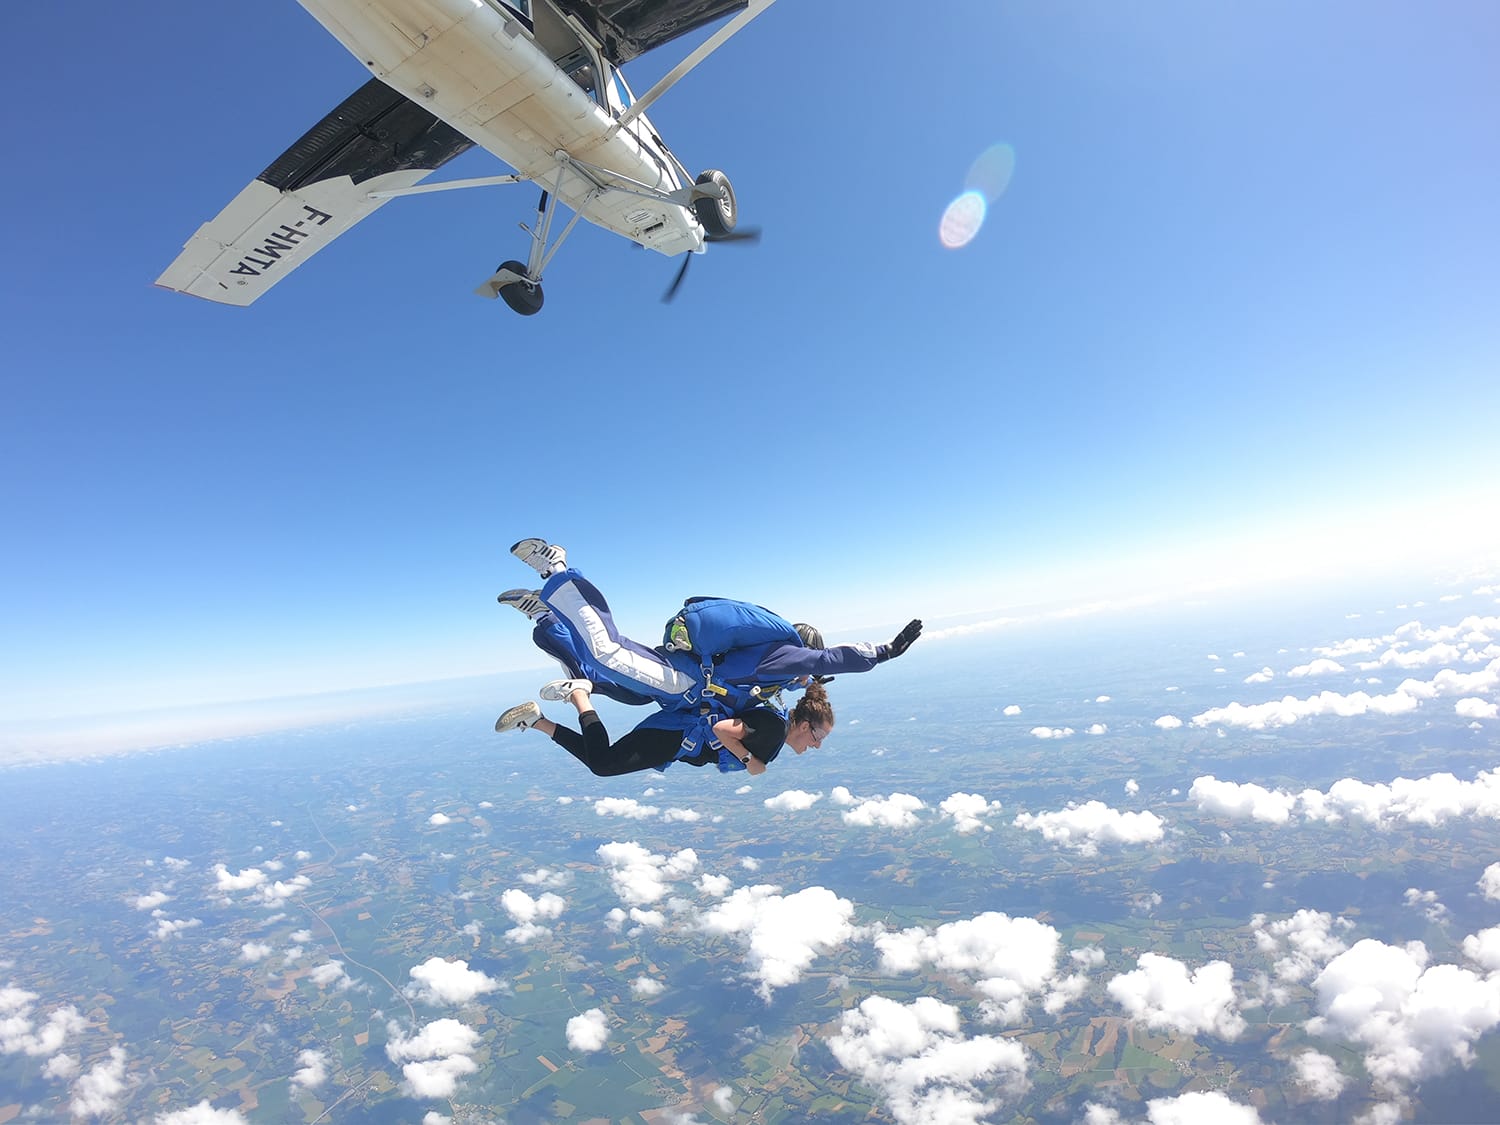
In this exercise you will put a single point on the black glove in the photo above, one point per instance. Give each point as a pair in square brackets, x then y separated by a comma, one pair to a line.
[902, 642]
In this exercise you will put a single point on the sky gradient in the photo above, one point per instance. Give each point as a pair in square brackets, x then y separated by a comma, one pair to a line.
[1232, 317]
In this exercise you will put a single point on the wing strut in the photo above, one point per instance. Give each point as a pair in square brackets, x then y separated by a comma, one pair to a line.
[678, 72]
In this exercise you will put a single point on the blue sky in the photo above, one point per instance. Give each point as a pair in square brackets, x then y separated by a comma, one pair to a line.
[1240, 292]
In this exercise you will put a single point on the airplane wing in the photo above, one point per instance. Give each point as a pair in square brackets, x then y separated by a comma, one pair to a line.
[628, 28]
[376, 139]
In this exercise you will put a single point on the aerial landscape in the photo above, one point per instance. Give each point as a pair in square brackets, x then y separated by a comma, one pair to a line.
[1164, 855]
[1129, 372]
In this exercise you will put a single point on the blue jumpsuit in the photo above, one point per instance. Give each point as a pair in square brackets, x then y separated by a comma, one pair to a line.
[580, 632]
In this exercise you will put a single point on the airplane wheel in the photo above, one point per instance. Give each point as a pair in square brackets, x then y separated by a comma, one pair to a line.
[718, 216]
[525, 297]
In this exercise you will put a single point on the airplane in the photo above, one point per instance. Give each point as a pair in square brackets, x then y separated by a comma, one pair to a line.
[535, 82]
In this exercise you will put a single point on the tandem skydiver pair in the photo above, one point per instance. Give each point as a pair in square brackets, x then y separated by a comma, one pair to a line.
[719, 677]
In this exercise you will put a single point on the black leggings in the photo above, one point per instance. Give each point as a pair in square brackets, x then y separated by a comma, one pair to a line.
[641, 749]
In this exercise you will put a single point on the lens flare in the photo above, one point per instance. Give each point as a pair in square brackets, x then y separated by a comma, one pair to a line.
[985, 183]
[962, 220]
[990, 173]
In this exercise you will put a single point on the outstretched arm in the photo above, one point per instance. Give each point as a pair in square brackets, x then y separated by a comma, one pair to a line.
[787, 662]
[731, 732]
[902, 641]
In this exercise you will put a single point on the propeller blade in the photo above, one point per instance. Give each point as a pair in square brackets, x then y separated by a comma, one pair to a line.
[749, 234]
[676, 281]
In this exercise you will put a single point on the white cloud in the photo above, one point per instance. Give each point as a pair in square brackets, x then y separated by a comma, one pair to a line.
[1319, 1075]
[928, 1073]
[439, 981]
[1012, 709]
[1473, 707]
[968, 811]
[1200, 1107]
[1302, 943]
[781, 934]
[899, 810]
[1051, 732]
[1168, 722]
[547, 878]
[1084, 827]
[97, 1092]
[644, 988]
[19, 1033]
[1483, 949]
[203, 1113]
[439, 819]
[1238, 802]
[588, 1031]
[439, 1055]
[1426, 800]
[1132, 787]
[792, 800]
[680, 816]
[313, 1069]
[1406, 698]
[278, 891]
[627, 807]
[1290, 709]
[171, 927]
[61, 1067]
[529, 913]
[1089, 956]
[718, 885]
[1414, 1020]
[331, 973]
[724, 1099]
[176, 864]
[254, 951]
[1264, 676]
[152, 901]
[640, 877]
[1163, 992]
[1427, 902]
[1010, 959]
[1322, 667]
[1430, 800]
[1064, 992]
[246, 879]
[1406, 659]
[1489, 882]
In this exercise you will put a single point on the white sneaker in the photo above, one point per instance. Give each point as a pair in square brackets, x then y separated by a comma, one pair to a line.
[545, 558]
[528, 602]
[519, 717]
[558, 690]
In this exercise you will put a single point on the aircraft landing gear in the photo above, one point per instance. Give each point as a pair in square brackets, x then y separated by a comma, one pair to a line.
[717, 212]
[524, 297]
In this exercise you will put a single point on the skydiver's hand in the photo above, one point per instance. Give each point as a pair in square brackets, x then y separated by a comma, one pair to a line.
[902, 642]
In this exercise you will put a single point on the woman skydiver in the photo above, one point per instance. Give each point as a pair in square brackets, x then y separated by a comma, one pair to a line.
[749, 741]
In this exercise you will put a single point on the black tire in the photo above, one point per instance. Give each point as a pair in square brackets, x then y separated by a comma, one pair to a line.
[718, 216]
[524, 297]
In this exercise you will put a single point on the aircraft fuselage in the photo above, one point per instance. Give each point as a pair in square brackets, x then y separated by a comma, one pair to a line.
[477, 65]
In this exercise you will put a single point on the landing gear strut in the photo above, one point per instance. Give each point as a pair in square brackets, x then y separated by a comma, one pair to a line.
[520, 286]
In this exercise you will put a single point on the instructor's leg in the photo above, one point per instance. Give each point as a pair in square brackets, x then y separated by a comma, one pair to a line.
[578, 602]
